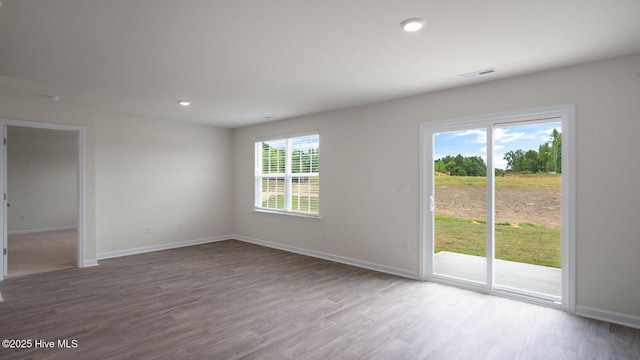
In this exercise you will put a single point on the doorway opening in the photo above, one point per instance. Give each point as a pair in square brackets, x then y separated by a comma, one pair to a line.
[497, 204]
[42, 214]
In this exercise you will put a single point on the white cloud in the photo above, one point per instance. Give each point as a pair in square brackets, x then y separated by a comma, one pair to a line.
[499, 162]
[545, 135]
[481, 135]
[469, 132]
[495, 148]
[504, 136]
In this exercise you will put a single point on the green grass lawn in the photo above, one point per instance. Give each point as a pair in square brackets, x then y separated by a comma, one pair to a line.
[537, 181]
[526, 243]
[302, 203]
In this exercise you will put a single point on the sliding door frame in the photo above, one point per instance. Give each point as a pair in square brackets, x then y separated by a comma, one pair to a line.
[567, 115]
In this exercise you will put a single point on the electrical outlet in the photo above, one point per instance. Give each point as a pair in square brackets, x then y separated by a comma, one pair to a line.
[405, 246]
[181, 226]
[23, 217]
[325, 234]
[149, 229]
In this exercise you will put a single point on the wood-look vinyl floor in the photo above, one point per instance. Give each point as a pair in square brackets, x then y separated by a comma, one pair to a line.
[233, 300]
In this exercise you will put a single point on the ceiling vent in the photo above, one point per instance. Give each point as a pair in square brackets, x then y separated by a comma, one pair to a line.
[478, 73]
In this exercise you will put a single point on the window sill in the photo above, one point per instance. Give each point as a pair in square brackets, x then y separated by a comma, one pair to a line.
[288, 214]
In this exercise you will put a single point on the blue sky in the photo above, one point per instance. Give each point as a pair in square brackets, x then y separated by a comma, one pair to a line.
[473, 142]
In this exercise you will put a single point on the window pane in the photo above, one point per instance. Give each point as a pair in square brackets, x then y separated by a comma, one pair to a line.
[305, 154]
[528, 216]
[273, 193]
[273, 156]
[460, 195]
[305, 190]
[305, 203]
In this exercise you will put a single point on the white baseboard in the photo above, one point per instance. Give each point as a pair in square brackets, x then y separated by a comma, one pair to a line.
[608, 316]
[335, 258]
[288, 248]
[159, 247]
[33, 231]
[90, 263]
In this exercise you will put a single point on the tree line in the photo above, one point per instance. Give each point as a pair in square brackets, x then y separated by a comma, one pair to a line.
[273, 160]
[548, 159]
[461, 165]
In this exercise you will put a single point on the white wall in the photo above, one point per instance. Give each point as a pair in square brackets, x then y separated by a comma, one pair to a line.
[368, 152]
[151, 173]
[42, 179]
[160, 174]
[32, 107]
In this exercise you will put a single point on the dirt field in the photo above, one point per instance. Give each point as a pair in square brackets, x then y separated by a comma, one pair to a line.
[531, 199]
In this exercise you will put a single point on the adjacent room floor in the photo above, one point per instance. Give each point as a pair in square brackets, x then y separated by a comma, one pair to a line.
[233, 300]
[41, 252]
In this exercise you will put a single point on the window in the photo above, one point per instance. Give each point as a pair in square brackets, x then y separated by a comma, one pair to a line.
[288, 174]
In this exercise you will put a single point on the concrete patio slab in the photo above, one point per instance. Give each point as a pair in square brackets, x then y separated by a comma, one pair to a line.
[534, 278]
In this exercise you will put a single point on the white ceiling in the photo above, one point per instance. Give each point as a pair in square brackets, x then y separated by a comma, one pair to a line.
[240, 61]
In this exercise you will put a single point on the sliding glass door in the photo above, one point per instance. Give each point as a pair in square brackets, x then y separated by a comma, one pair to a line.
[459, 205]
[528, 209]
[493, 200]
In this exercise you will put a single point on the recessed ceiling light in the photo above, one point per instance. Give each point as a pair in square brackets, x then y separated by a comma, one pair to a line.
[184, 102]
[412, 24]
[53, 97]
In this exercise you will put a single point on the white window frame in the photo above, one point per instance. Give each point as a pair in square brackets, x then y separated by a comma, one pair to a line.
[287, 175]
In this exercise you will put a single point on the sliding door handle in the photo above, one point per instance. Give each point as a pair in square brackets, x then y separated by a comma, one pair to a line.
[432, 204]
